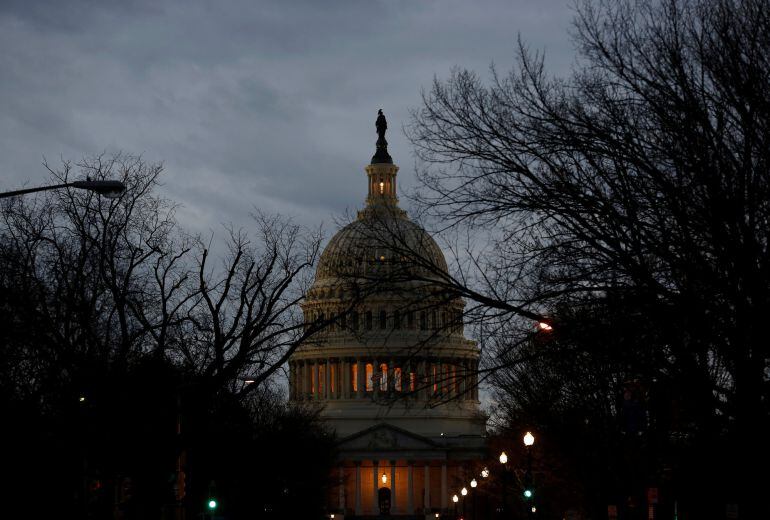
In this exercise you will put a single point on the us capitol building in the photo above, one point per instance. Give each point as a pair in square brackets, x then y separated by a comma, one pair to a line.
[393, 372]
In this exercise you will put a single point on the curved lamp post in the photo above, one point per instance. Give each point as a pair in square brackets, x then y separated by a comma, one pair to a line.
[109, 189]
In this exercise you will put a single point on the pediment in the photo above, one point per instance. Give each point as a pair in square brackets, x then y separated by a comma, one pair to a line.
[385, 437]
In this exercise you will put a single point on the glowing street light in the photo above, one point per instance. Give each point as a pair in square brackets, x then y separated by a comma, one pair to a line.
[529, 439]
[384, 478]
[474, 483]
[503, 458]
[544, 326]
[485, 472]
[464, 491]
[455, 499]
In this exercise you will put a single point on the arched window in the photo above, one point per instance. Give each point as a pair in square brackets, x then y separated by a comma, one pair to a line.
[423, 319]
[368, 320]
[369, 377]
[383, 377]
[397, 379]
[383, 319]
[396, 320]
[354, 319]
[410, 319]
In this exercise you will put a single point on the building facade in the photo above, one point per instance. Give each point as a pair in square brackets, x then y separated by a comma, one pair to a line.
[392, 370]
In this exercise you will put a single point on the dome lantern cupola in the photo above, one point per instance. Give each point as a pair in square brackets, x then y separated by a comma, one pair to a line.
[381, 172]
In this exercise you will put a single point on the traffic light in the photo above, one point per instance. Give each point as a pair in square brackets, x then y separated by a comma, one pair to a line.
[528, 493]
[212, 503]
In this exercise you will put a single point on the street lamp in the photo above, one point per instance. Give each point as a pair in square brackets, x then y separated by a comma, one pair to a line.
[504, 482]
[529, 439]
[384, 478]
[455, 499]
[503, 458]
[464, 491]
[473, 489]
[108, 189]
[485, 472]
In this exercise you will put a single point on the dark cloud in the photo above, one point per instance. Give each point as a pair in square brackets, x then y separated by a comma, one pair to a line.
[268, 104]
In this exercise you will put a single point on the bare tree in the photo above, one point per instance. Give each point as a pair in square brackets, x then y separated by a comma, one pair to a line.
[644, 173]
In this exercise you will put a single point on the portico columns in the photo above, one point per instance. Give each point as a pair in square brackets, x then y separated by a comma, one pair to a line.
[410, 488]
[393, 486]
[342, 488]
[444, 491]
[426, 494]
[375, 486]
[358, 488]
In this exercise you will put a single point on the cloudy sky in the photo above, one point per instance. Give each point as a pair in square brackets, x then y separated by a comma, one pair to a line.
[249, 103]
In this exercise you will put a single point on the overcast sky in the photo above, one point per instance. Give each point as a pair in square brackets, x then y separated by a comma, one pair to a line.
[267, 104]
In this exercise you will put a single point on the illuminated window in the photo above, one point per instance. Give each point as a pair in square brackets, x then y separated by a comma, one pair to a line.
[397, 379]
[354, 377]
[369, 375]
[412, 381]
[382, 187]
[383, 377]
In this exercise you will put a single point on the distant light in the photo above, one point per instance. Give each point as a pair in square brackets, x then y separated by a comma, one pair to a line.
[485, 472]
[455, 498]
[544, 326]
[384, 478]
[82, 398]
[529, 439]
[212, 504]
[382, 187]
[331, 515]
[503, 458]
[534, 509]
[436, 515]
[249, 381]
[464, 491]
[474, 483]
[528, 493]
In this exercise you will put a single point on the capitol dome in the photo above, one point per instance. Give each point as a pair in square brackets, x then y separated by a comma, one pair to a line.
[391, 370]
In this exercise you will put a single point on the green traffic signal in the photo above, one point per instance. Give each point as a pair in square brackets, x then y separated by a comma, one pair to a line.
[528, 493]
[212, 504]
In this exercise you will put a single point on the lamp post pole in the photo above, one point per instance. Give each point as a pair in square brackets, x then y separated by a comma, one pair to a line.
[529, 440]
[473, 492]
[110, 189]
[504, 462]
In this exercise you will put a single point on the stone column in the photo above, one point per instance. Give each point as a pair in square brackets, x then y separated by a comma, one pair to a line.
[410, 488]
[342, 488]
[375, 383]
[358, 488]
[426, 480]
[393, 486]
[344, 375]
[327, 379]
[360, 375]
[314, 379]
[444, 491]
[376, 480]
